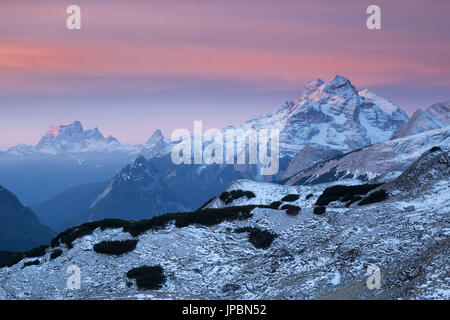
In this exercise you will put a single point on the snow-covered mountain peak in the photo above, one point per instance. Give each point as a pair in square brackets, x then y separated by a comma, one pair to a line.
[440, 111]
[334, 115]
[340, 86]
[156, 137]
[311, 87]
[72, 138]
[382, 103]
[52, 131]
[421, 121]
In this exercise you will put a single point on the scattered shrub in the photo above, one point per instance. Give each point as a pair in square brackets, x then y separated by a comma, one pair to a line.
[55, 254]
[309, 196]
[8, 259]
[148, 277]
[353, 200]
[70, 235]
[290, 198]
[261, 239]
[229, 196]
[293, 210]
[343, 193]
[319, 210]
[36, 252]
[31, 263]
[115, 247]
[209, 217]
[289, 206]
[136, 228]
[275, 204]
[434, 149]
[377, 196]
[206, 217]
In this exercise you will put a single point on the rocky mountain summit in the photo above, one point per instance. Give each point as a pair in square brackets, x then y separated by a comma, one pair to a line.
[332, 114]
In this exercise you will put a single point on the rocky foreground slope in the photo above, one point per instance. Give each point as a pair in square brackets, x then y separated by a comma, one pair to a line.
[262, 240]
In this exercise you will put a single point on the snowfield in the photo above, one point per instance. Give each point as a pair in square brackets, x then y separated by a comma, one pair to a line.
[314, 256]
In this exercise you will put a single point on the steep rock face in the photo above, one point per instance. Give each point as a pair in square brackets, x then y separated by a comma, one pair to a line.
[383, 160]
[422, 121]
[20, 230]
[440, 111]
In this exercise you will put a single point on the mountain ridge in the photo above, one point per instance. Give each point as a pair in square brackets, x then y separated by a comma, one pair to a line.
[20, 229]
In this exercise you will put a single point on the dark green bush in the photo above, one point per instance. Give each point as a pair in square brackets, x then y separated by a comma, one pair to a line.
[434, 149]
[55, 254]
[287, 206]
[8, 259]
[136, 228]
[290, 198]
[275, 204]
[229, 196]
[309, 196]
[319, 210]
[148, 277]
[115, 247]
[343, 193]
[353, 200]
[209, 217]
[293, 210]
[377, 196]
[70, 235]
[31, 263]
[206, 217]
[36, 252]
[261, 239]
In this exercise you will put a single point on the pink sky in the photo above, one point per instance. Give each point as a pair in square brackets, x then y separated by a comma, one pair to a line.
[136, 64]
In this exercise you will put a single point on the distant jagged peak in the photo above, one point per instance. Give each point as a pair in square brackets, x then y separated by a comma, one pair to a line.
[67, 130]
[440, 111]
[52, 131]
[318, 89]
[156, 137]
[313, 86]
[74, 132]
[340, 86]
[420, 121]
